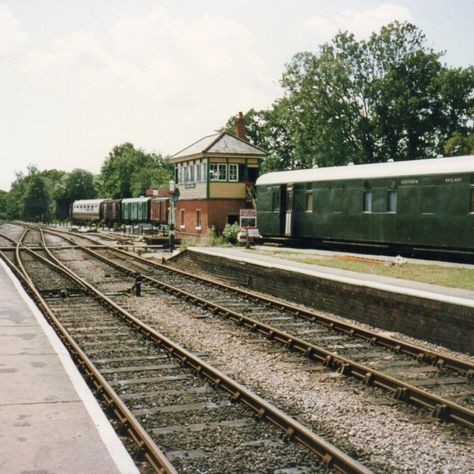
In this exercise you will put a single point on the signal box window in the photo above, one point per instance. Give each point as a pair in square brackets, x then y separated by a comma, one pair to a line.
[367, 204]
[309, 202]
[182, 219]
[198, 219]
[218, 172]
[233, 172]
[471, 208]
[392, 201]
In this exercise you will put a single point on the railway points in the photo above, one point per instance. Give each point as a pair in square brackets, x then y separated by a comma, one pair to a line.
[50, 421]
[113, 271]
[278, 442]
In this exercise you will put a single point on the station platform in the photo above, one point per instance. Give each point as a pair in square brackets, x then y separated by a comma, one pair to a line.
[396, 285]
[49, 420]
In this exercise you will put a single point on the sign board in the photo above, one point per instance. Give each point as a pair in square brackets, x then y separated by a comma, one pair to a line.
[248, 218]
[159, 192]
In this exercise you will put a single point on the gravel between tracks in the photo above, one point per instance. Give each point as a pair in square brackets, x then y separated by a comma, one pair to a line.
[384, 435]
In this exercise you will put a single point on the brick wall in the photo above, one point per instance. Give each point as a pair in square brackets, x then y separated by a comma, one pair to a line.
[190, 217]
[442, 323]
[220, 209]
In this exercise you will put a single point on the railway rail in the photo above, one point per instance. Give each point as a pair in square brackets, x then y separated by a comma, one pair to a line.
[162, 395]
[428, 379]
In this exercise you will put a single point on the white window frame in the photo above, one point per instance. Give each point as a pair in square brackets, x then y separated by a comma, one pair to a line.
[233, 166]
[216, 169]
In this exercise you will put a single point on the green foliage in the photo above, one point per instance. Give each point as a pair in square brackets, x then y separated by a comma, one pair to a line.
[128, 172]
[3, 204]
[37, 200]
[364, 101]
[230, 233]
[213, 239]
[459, 145]
[78, 184]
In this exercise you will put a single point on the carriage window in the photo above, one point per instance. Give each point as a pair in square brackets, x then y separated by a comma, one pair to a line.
[276, 200]
[367, 201]
[309, 202]
[392, 201]
[471, 208]
[233, 172]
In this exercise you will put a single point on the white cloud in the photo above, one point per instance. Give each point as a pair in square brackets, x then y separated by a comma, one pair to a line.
[11, 35]
[362, 22]
[156, 80]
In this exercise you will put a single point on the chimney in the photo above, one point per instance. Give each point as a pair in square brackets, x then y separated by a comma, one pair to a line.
[240, 127]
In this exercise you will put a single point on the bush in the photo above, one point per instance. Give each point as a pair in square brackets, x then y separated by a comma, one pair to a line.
[213, 239]
[230, 233]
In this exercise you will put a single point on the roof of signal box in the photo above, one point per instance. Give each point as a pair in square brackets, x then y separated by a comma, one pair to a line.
[222, 143]
[423, 167]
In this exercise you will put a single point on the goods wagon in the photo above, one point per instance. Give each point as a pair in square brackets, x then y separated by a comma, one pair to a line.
[110, 211]
[86, 210]
[426, 203]
[159, 209]
[136, 209]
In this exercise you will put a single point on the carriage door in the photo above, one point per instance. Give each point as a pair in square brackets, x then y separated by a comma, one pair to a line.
[289, 210]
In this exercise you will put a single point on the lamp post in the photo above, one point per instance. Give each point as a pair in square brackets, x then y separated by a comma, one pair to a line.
[172, 215]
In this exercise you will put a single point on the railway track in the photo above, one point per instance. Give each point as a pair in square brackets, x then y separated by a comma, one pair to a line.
[180, 413]
[434, 381]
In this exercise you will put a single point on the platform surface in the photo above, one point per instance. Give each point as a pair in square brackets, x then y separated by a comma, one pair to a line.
[49, 420]
[410, 287]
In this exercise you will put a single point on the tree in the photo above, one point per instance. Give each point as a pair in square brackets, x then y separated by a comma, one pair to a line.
[365, 101]
[267, 130]
[128, 172]
[456, 88]
[78, 184]
[459, 145]
[37, 201]
[3, 204]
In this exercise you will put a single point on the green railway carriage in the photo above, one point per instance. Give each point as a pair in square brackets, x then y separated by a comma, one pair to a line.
[136, 209]
[427, 203]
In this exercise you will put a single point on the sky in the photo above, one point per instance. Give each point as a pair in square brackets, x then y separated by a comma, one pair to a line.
[79, 77]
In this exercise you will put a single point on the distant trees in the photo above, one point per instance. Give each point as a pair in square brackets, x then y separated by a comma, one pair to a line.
[365, 101]
[78, 184]
[36, 203]
[43, 195]
[128, 172]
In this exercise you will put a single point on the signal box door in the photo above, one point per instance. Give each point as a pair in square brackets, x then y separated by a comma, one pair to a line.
[289, 211]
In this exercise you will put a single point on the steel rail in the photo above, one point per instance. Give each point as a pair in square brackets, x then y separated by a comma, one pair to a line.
[145, 446]
[420, 353]
[441, 408]
[328, 454]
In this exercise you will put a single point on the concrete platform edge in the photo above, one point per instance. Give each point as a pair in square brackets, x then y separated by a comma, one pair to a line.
[114, 446]
[455, 300]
